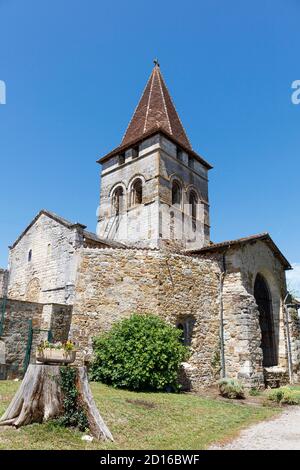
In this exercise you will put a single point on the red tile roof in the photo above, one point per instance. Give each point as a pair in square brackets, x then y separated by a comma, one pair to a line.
[241, 241]
[155, 110]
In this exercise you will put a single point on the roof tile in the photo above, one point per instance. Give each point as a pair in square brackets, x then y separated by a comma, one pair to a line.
[155, 110]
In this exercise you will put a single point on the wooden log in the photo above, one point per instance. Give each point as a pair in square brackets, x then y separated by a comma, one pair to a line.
[40, 398]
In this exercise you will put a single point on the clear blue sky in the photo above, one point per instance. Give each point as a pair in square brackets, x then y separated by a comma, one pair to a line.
[74, 70]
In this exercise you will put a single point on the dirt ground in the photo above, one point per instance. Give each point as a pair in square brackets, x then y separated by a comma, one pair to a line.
[280, 433]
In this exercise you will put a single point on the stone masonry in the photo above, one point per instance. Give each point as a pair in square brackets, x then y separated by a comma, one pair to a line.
[3, 282]
[21, 319]
[113, 284]
[43, 261]
[240, 264]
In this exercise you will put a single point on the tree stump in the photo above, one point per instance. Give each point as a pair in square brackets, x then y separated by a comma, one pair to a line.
[40, 398]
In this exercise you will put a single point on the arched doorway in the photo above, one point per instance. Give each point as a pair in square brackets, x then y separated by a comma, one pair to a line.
[264, 302]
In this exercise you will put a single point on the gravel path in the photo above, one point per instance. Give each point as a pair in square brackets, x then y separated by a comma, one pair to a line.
[282, 433]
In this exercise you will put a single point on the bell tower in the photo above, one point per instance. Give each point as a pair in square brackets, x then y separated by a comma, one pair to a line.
[154, 186]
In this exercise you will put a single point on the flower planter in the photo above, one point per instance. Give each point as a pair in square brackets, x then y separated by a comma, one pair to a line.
[55, 356]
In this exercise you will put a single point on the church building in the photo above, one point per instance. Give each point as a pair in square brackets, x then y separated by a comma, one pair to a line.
[152, 253]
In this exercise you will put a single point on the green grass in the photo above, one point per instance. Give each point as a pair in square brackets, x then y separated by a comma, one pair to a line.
[295, 392]
[140, 421]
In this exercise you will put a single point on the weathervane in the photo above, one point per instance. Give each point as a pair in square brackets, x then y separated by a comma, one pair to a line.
[156, 62]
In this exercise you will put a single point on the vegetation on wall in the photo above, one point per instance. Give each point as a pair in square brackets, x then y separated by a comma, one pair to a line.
[139, 353]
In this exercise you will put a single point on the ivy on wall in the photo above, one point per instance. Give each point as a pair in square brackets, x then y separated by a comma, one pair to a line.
[74, 414]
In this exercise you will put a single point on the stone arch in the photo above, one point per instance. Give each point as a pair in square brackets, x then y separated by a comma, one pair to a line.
[193, 188]
[267, 321]
[136, 190]
[176, 192]
[134, 177]
[33, 290]
[118, 198]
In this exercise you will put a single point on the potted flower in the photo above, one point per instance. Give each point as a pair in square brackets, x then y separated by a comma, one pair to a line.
[56, 353]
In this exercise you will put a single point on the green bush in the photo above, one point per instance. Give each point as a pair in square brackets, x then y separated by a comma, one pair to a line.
[139, 353]
[254, 392]
[283, 396]
[231, 388]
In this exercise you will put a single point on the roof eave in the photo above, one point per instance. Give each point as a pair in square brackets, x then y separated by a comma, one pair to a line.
[252, 239]
[52, 216]
[159, 130]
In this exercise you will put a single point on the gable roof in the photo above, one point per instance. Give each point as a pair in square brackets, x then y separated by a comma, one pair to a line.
[242, 241]
[66, 223]
[155, 110]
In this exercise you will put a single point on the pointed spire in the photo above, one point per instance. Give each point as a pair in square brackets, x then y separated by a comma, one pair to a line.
[155, 110]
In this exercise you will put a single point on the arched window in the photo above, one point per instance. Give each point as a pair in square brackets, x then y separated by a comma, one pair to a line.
[49, 249]
[176, 193]
[29, 256]
[117, 199]
[137, 192]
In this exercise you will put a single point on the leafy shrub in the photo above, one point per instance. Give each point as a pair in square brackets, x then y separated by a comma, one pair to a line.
[283, 395]
[231, 388]
[139, 353]
[254, 392]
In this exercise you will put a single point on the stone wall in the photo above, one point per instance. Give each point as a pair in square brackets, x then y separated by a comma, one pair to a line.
[19, 317]
[190, 179]
[134, 224]
[294, 329]
[242, 333]
[49, 276]
[114, 283]
[60, 322]
[16, 332]
[156, 162]
[3, 281]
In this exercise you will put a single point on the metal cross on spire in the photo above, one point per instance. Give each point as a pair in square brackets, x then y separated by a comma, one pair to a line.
[156, 63]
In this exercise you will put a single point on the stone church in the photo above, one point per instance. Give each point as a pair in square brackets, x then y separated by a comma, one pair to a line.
[152, 253]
